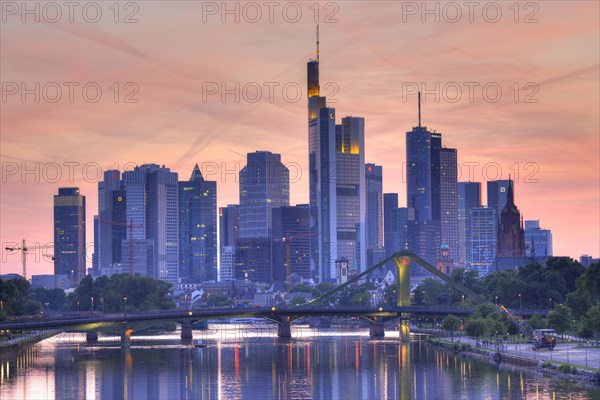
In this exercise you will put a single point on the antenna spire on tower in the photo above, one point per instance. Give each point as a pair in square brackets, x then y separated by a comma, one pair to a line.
[317, 42]
[419, 109]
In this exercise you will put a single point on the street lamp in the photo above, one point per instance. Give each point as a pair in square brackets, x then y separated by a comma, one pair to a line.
[520, 302]
[496, 300]
[125, 306]
[78, 305]
[102, 302]
[550, 302]
[92, 298]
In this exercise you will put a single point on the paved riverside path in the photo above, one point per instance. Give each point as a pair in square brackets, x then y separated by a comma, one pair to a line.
[564, 352]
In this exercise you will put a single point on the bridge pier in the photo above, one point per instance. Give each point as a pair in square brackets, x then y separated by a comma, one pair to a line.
[284, 329]
[91, 336]
[376, 330]
[186, 330]
[125, 337]
[404, 329]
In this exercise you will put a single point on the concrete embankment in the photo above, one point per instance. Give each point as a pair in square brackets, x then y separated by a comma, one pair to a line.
[29, 339]
[558, 370]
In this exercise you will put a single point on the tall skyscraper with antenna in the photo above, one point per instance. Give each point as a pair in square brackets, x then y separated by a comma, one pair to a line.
[337, 184]
[431, 193]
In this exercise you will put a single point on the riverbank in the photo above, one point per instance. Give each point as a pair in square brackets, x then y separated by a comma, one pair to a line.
[556, 368]
[21, 341]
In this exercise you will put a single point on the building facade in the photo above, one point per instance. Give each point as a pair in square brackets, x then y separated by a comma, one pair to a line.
[69, 234]
[152, 197]
[469, 197]
[538, 241]
[197, 229]
[291, 242]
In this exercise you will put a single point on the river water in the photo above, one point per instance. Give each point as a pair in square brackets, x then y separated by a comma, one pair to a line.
[250, 362]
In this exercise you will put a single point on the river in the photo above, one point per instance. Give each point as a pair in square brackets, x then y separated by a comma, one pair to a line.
[250, 362]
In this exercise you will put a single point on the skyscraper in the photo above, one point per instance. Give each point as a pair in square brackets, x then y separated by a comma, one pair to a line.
[425, 184]
[229, 232]
[69, 234]
[395, 224]
[511, 236]
[197, 229]
[153, 213]
[336, 165]
[538, 241]
[483, 228]
[374, 217]
[111, 222]
[264, 185]
[497, 194]
[469, 197]
[291, 239]
[449, 202]
[350, 193]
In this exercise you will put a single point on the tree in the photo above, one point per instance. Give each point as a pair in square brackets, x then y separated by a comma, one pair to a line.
[218, 300]
[537, 322]
[297, 300]
[450, 324]
[15, 296]
[590, 323]
[560, 319]
[53, 298]
[390, 295]
[430, 292]
[143, 294]
[301, 288]
[476, 328]
[362, 298]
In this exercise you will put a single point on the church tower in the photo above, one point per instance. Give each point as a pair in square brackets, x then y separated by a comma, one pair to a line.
[511, 235]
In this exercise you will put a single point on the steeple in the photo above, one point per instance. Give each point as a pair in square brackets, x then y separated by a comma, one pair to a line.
[196, 174]
[510, 196]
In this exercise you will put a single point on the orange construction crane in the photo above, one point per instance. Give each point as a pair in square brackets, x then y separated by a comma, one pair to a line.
[24, 249]
[130, 226]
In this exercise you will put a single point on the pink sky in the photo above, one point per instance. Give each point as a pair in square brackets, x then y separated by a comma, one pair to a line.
[368, 56]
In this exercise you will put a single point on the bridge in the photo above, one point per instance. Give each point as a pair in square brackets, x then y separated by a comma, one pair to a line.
[284, 317]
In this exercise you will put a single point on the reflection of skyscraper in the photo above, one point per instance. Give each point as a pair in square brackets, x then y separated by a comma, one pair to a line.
[511, 236]
[69, 234]
[197, 229]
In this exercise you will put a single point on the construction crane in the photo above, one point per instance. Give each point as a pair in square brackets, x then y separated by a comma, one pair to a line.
[129, 226]
[540, 338]
[24, 249]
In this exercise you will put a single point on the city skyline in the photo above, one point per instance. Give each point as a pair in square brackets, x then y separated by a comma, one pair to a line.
[172, 126]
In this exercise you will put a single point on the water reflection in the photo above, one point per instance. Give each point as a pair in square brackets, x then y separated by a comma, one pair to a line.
[348, 366]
